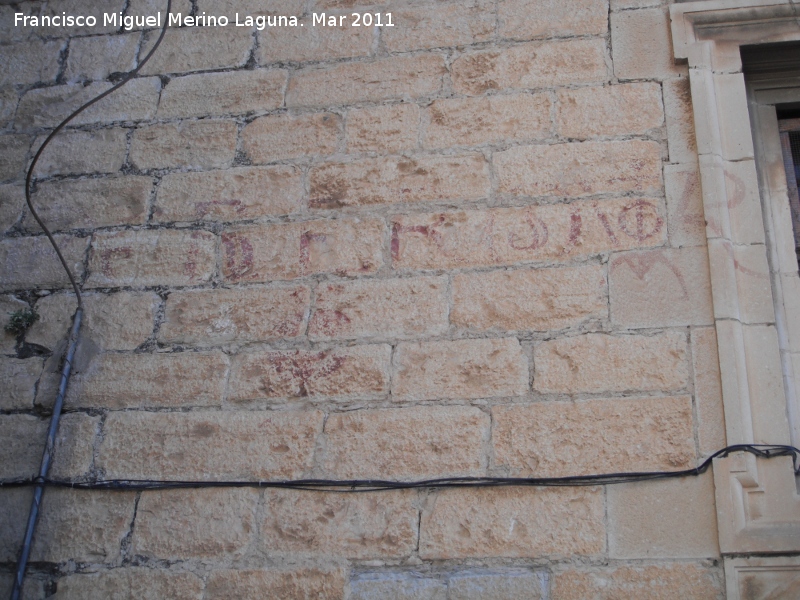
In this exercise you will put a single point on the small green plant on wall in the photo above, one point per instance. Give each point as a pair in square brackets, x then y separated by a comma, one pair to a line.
[21, 320]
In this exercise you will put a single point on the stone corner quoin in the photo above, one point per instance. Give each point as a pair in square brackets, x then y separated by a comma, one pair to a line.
[466, 244]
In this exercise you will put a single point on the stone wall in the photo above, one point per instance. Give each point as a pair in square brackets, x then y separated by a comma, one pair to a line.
[470, 244]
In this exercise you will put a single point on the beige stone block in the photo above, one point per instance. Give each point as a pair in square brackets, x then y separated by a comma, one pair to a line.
[15, 504]
[672, 518]
[439, 25]
[12, 201]
[340, 373]
[398, 77]
[241, 445]
[680, 120]
[9, 304]
[34, 61]
[406, 443]
[318, 583]
[119, 381]
[708, 390]
[232, 93]
[527, 19]
[74, 453]
[399, 586]
[557, 439]
[31, 262]
[20, 377]
[354, 526]
[280, 137]
[384, 308]
[13, 155]
[121, 321]
[655, 582]
[92, 203]
[12, 206]
[384, 129]
[84, 526]
[507, 236]
[462, 369]
[16, 33]
[641, 42]
[512, 522]
[47, 107]
[95, 58]
[580, 169]
[151, 257]
[525, 300]
[102, 151]
[8, 104]
[198, 49]
[197, 144]
[23, 438]
[310, 42]
[626, 109]
[685, 213]
[210, 317]
[211, 524]
[231, 195]
[271, 252]
[497, 585]
[598, 362]
[530, 66]
[661, 287]
[130, 582]
[493, 119]
[398, 179]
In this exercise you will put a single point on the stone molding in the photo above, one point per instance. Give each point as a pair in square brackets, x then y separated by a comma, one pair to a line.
[758, 507]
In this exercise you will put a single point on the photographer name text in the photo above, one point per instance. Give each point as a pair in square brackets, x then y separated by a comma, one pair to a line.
[260, 22]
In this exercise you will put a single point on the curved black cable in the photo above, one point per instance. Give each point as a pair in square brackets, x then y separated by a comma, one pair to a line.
[376, 485]
[39, 482]
[29, 176]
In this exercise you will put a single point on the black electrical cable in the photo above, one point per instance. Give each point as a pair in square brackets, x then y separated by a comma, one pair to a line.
[47, 455]
[29, 177]
[378, 485]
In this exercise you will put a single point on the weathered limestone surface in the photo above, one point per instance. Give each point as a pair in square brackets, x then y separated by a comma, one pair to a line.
[603, 363]
[358, 526]
[461, 369]
[411, 443]
[385, 308]
[555, 439]
[675, 580]
[231, 195]
[203, 524]
[322, 583]
[210, 317]
[340, 373]
[511, 522]
[138, 380]
[471, 243]
[218, 445]
[131, 582]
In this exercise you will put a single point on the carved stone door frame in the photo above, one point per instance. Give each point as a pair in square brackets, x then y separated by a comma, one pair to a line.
[758, 506]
